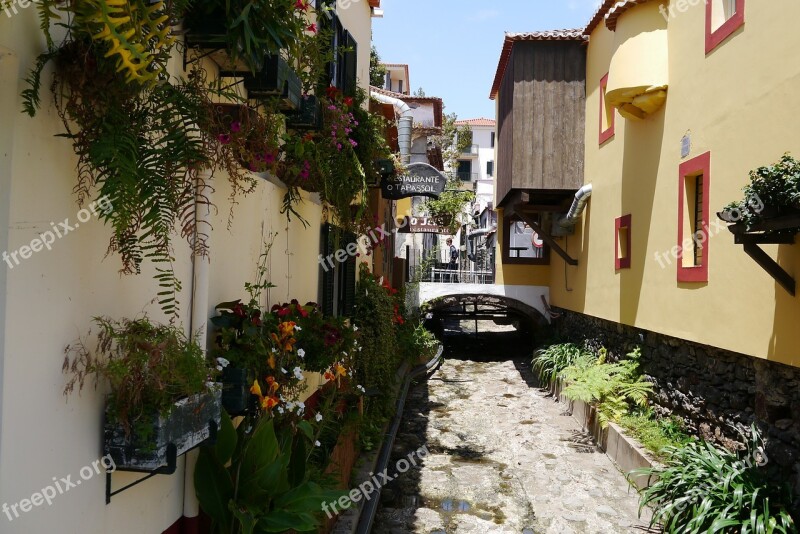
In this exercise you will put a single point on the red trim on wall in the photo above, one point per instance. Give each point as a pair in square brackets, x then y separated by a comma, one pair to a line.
[694, 167]
[715, 38]
[620, 223]
[609, 132]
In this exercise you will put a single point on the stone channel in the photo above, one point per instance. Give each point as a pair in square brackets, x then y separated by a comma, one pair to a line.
[503, 458]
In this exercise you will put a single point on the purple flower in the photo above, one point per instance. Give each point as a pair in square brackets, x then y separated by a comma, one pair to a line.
[224, 138]
[339, 146]
[269, 158]
[352, 142]
[236, 126]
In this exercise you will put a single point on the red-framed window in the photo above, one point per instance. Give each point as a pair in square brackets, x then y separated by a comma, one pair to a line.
[606, 113]
[723, 17]
[622, 242]
[694, 183]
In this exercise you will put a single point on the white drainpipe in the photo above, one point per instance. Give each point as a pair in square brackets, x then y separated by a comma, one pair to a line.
[198, 324]
[404, 124]
[578, 205]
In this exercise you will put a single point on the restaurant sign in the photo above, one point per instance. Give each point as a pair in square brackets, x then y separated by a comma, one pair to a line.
[422, 225]
[419, 180]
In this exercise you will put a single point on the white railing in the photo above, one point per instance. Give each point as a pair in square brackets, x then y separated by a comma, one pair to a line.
[451, 276]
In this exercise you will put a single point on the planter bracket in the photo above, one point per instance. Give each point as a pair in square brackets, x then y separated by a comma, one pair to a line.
[169, 469]
[761, 234]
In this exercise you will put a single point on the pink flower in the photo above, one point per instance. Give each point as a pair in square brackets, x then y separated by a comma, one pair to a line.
[269, 158]
[352, 142]
[236, 126]
[339, 146]
[224, 138]
[312, 28]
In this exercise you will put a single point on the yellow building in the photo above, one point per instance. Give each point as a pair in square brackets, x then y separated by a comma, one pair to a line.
[679, 101]
[48, 299]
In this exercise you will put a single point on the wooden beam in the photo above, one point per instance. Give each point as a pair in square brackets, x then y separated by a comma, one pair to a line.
[771, 266]
[546, 237]
[763, 239]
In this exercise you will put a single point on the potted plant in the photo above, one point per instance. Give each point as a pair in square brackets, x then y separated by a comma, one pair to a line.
[248, 32]
[245, 135]
[773, 192]
[162, 394]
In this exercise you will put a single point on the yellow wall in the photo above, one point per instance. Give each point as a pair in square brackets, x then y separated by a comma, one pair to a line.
[739, 103]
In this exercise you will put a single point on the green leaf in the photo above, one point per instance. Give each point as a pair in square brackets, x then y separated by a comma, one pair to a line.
[226, 439]
[214, 488]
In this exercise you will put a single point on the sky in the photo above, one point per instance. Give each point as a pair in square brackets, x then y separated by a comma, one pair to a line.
[452, 47]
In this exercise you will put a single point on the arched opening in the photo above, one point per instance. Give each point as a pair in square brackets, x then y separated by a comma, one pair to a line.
[487, 327]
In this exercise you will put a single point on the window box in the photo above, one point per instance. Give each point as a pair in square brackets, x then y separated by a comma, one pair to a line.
[276, 79]
[190, 422]
[236, 396]
[308, 116]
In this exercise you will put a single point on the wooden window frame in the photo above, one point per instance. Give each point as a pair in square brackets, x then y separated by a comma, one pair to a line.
[714, 38]
[608, 133]
[507, 259]
[701, 165]
[620, 223]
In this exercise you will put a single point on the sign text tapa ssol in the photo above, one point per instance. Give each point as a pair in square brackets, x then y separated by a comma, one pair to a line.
[420, 180]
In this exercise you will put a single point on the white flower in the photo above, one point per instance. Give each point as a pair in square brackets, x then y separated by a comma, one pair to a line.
[318, 417]
[301, 353]
[355, 328]
[223, 362]
[280, 409]
[219, 368]
[361, 388]
[284, 371]
[298, 373]
[274, 350]
[317, 443]
[297, 328]
[301, 407]
[290, 406]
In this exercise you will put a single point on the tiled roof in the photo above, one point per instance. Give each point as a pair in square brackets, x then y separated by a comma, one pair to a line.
[598, 16]
[405, 97]
[511, 38]
[476, 122]
[618, 9]
[395, 65]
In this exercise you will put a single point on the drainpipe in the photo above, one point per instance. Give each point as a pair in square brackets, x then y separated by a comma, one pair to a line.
[578, 205]
[404, 124]
[198, 324]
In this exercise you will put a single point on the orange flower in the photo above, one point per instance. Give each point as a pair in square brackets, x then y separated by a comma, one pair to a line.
[273, 385]
[329, 376]
[287, 328]
[271, 361]
[256, 390]
[268, 403]
[340, 370]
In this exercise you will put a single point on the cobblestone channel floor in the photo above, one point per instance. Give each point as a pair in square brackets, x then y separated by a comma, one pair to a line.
[503, 458]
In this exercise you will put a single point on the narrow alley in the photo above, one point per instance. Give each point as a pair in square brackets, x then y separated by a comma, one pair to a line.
[504, 457]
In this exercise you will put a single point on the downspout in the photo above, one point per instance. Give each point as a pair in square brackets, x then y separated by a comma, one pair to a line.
[404, 124]
[578, 205]
[198, 325]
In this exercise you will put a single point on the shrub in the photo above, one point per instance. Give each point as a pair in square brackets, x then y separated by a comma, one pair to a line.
[655, 433]
[704, 488]
[612, 387]
[551, 361]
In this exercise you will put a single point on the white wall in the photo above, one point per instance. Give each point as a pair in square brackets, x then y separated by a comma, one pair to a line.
[51, 298]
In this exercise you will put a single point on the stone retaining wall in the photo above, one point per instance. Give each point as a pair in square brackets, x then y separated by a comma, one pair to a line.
[716, 392]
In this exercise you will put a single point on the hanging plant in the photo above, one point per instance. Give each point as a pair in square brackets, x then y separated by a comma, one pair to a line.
[448, 209]
[140, 145]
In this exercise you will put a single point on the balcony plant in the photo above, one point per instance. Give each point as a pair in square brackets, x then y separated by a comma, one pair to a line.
[248, 31]
[773, 191]
[161, 389]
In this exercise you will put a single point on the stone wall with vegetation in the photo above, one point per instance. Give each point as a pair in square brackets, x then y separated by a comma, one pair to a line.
[716, 392]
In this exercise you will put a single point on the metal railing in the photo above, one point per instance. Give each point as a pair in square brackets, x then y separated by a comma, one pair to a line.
[467, 176]
[471, 150]
[451, 276]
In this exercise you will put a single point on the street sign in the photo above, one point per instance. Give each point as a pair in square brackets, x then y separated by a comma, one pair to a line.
[419, 180]
[537, 241]
[421, 225]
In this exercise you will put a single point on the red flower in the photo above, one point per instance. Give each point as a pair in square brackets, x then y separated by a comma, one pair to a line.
[348, 101]
[301, 5]
[283, 312]
[332, 92]
[312, 28]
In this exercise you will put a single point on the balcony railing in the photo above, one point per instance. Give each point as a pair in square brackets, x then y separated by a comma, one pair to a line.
[467, 176]
[448, 276]
[471, 150]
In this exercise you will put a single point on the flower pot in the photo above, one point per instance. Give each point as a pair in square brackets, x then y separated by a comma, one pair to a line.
[236, 397]
[190, 422]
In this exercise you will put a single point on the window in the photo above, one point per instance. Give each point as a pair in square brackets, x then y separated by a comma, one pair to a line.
[342, 69]
[723, 17]
[622, 245]
[693, 219]
[606, 114]
[400, 87]
[490, 168]
[521, 244]
[338, 277]
[464, 172]
[492, 145]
